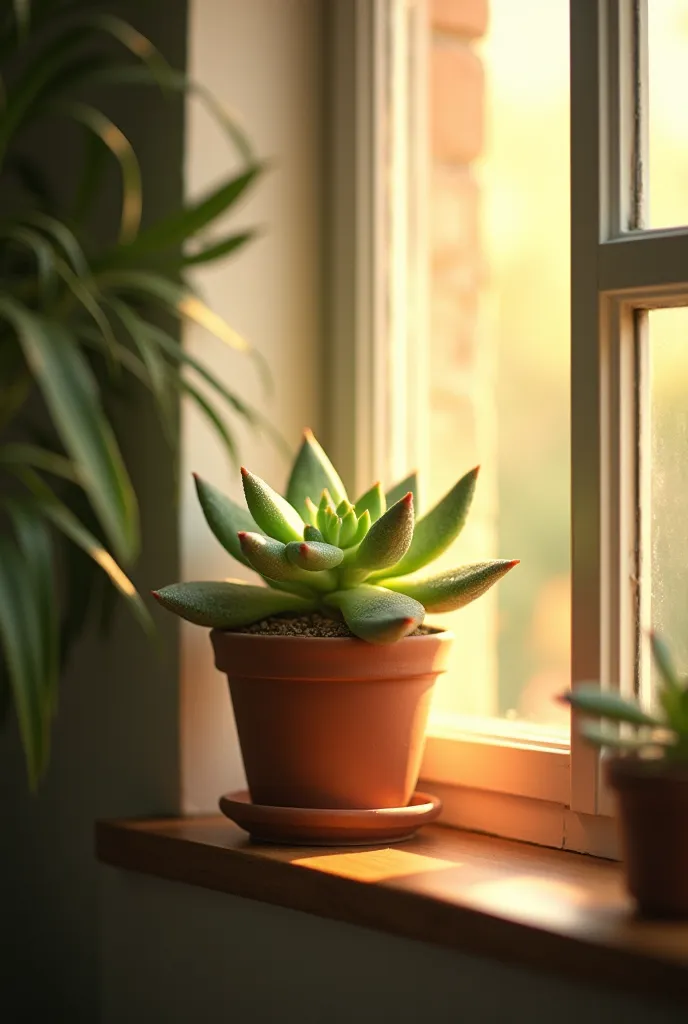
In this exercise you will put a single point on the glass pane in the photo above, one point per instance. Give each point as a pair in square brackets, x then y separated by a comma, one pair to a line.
[500, 348]
[668, 492]
[668, 118]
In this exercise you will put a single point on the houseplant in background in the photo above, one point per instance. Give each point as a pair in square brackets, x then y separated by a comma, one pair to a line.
[78, 321]
[330, 667]
[648, 773]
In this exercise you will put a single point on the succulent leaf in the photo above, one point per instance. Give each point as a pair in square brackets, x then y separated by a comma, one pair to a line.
[311, 512]
[364, 524]
[314, 556]
[373, 501]
[269, 557]
[591, 700]
[311, 473]
[271, 512]
[376, 614]
[454, 588]
[225, 605]
[225, 518]
[388, 539]
[409, 483]
[349, 528]
[312, 533]
[436, 530]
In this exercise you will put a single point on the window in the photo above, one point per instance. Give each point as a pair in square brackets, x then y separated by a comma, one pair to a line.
[557, 155]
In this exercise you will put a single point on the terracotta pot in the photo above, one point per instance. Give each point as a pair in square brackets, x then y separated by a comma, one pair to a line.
[652, 801]
[330, 723]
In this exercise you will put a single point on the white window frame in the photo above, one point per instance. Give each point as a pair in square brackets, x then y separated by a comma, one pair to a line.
[493, 776]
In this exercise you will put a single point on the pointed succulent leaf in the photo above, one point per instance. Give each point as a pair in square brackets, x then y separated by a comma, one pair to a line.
[373, 501]
[269, 557]
[409, 483]
[334, 528]
[311, 473]
[435, 531]
[349, 528]
[603, 736]
[343, 507]
[377, 615]
[225, 605]
[389, 538]
[453, 589]
[312, 533]
[314, 556]
[324, 507]
[272, 513]
[591, 700]
[311, 512]
[364, 524]
[225, 518]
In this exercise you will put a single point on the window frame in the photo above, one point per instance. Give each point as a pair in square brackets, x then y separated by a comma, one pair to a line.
[497, 778]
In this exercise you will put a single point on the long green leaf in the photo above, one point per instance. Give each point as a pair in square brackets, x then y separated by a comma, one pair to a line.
[213, 417]
[123, 151]
[70, 394]
[436, 530]
[591, 700]
[175, 229]
[36, 549]
[226, 605]
[455, 588]
[217, 250]
[18, 641]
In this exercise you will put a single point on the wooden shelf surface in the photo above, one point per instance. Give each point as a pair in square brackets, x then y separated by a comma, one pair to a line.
[551, 911]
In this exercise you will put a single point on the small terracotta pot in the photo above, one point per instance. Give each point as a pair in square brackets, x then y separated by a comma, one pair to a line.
[652, 801]
[330, 723]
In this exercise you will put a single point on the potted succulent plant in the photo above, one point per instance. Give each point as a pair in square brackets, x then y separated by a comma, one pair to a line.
[330, 667]
[649, 776]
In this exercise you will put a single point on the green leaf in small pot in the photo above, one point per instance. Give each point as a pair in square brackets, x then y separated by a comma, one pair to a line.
[599, 736]
[70, 392]
[226, 605]
[589, 699]
[347, 534]
[374, 502]
[225, 518]
[270, 510]
[388, 539]
[436, 530]
[311, 474]
[454, 588]
[376, 614]
[269, 557]
[314, 555]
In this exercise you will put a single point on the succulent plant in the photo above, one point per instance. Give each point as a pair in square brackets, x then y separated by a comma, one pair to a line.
[662, 732]
[317, 551]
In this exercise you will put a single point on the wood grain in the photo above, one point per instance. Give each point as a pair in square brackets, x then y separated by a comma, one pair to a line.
[551, 911]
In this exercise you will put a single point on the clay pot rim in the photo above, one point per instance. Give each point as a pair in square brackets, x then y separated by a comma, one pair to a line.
[342, 641]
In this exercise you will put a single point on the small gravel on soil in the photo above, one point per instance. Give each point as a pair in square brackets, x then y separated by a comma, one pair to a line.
[313, 624]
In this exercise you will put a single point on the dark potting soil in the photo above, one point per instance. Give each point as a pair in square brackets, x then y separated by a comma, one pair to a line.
[314, 624]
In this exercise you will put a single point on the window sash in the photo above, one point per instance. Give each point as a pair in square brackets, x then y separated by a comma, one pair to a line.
[616, 270]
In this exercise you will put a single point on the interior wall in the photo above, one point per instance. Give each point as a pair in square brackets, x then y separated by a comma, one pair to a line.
[176, 953]
[262, 59]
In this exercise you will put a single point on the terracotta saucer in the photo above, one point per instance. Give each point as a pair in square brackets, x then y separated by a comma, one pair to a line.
[308, 826]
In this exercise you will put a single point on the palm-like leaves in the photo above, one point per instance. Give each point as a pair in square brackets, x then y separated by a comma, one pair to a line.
[76, 321]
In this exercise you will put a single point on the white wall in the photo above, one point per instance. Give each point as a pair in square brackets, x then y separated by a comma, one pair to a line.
[180, 955]
[262, 58]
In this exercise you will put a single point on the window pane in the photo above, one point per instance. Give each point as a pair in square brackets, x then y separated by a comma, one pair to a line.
[668, 117]
[500, 346]
[668, 334]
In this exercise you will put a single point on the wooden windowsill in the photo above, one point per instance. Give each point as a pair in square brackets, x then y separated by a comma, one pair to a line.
[556, 912]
